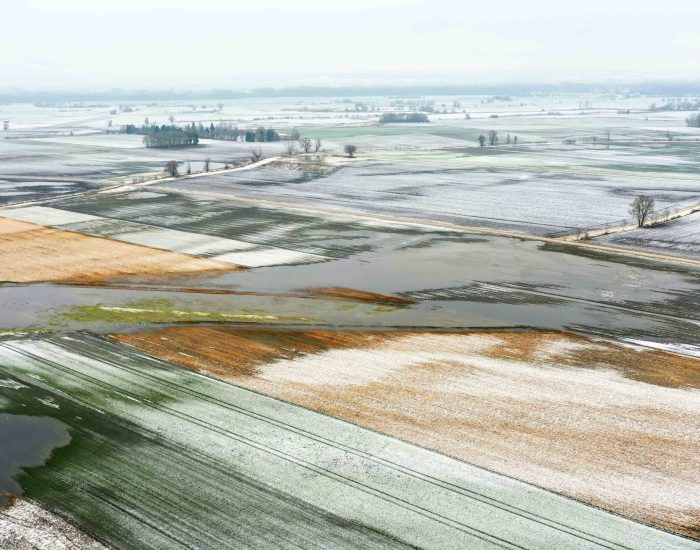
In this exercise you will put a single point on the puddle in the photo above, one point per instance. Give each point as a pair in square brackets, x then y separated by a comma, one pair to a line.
[25, 442]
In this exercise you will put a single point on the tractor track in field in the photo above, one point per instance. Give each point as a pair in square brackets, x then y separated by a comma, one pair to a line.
[94, 348]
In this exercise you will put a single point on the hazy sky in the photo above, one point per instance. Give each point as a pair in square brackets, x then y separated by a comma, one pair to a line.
[211, 43]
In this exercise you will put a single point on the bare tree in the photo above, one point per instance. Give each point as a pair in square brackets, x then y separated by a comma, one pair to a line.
[145, 121]
[493, 137]
[350, 150]
[306, 144]
[641, 208]
[607, 138]
[220, 106]
[255, 154]
[171, 168]
[481, 139]
[171, 118]
[515, 140]
[290, 147]
[317, 145]
[188, 169]
[207, 161]
[109, 123]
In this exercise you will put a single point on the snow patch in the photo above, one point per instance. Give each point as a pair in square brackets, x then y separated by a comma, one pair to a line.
[26, 526]
[347, 367]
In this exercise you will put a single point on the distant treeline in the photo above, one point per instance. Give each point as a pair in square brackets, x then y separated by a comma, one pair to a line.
[164, 136]
[657, 88]
[693, 120]
[403, 117]
[678, 104]
[80, 105]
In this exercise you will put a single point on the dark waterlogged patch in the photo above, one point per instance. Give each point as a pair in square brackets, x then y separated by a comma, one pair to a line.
[613, 257]
[27, 441]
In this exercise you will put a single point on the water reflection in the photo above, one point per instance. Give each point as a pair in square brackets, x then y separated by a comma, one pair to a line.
[25, 442]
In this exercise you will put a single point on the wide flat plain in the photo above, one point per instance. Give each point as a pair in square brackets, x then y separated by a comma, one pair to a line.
[403, 359]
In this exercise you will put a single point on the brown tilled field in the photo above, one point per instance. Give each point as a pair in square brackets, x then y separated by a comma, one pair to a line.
[610, 425]
[34, 253]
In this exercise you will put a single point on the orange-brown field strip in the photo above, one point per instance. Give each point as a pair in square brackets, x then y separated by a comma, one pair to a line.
[34, 253]
[352, 295]
[607, 424]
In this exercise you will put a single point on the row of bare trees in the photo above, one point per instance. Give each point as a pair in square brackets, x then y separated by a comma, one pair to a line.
[492, 138]
[171, 168]
[256, 154]
[305, 144]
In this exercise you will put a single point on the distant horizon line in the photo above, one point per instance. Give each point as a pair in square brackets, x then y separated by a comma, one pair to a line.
[674, 87]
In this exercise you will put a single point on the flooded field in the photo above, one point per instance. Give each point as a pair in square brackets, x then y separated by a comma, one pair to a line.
[331, 352]
[26, 189]
[434, 279]
[445, 278]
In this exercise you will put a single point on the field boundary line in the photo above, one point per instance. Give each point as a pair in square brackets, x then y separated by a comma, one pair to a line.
[666, 215]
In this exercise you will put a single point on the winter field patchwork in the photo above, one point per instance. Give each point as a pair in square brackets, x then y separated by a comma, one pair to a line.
[472, 396]
[387, 351]
[519, 190]
[248, 459]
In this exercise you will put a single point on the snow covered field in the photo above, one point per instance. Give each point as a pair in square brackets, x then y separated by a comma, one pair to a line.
[514, 190]
[26, 526]
[162, 457]
[27, 190]
[680, 236]
[204, 463]
[101, 157]
[553, 409]
[229, 251]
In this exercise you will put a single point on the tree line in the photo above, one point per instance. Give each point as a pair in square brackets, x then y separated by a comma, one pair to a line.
[163, 137]
[190, 134]
[403, 117]
[491, 138]
[229, 132]
[693, 120]
[677, 105]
